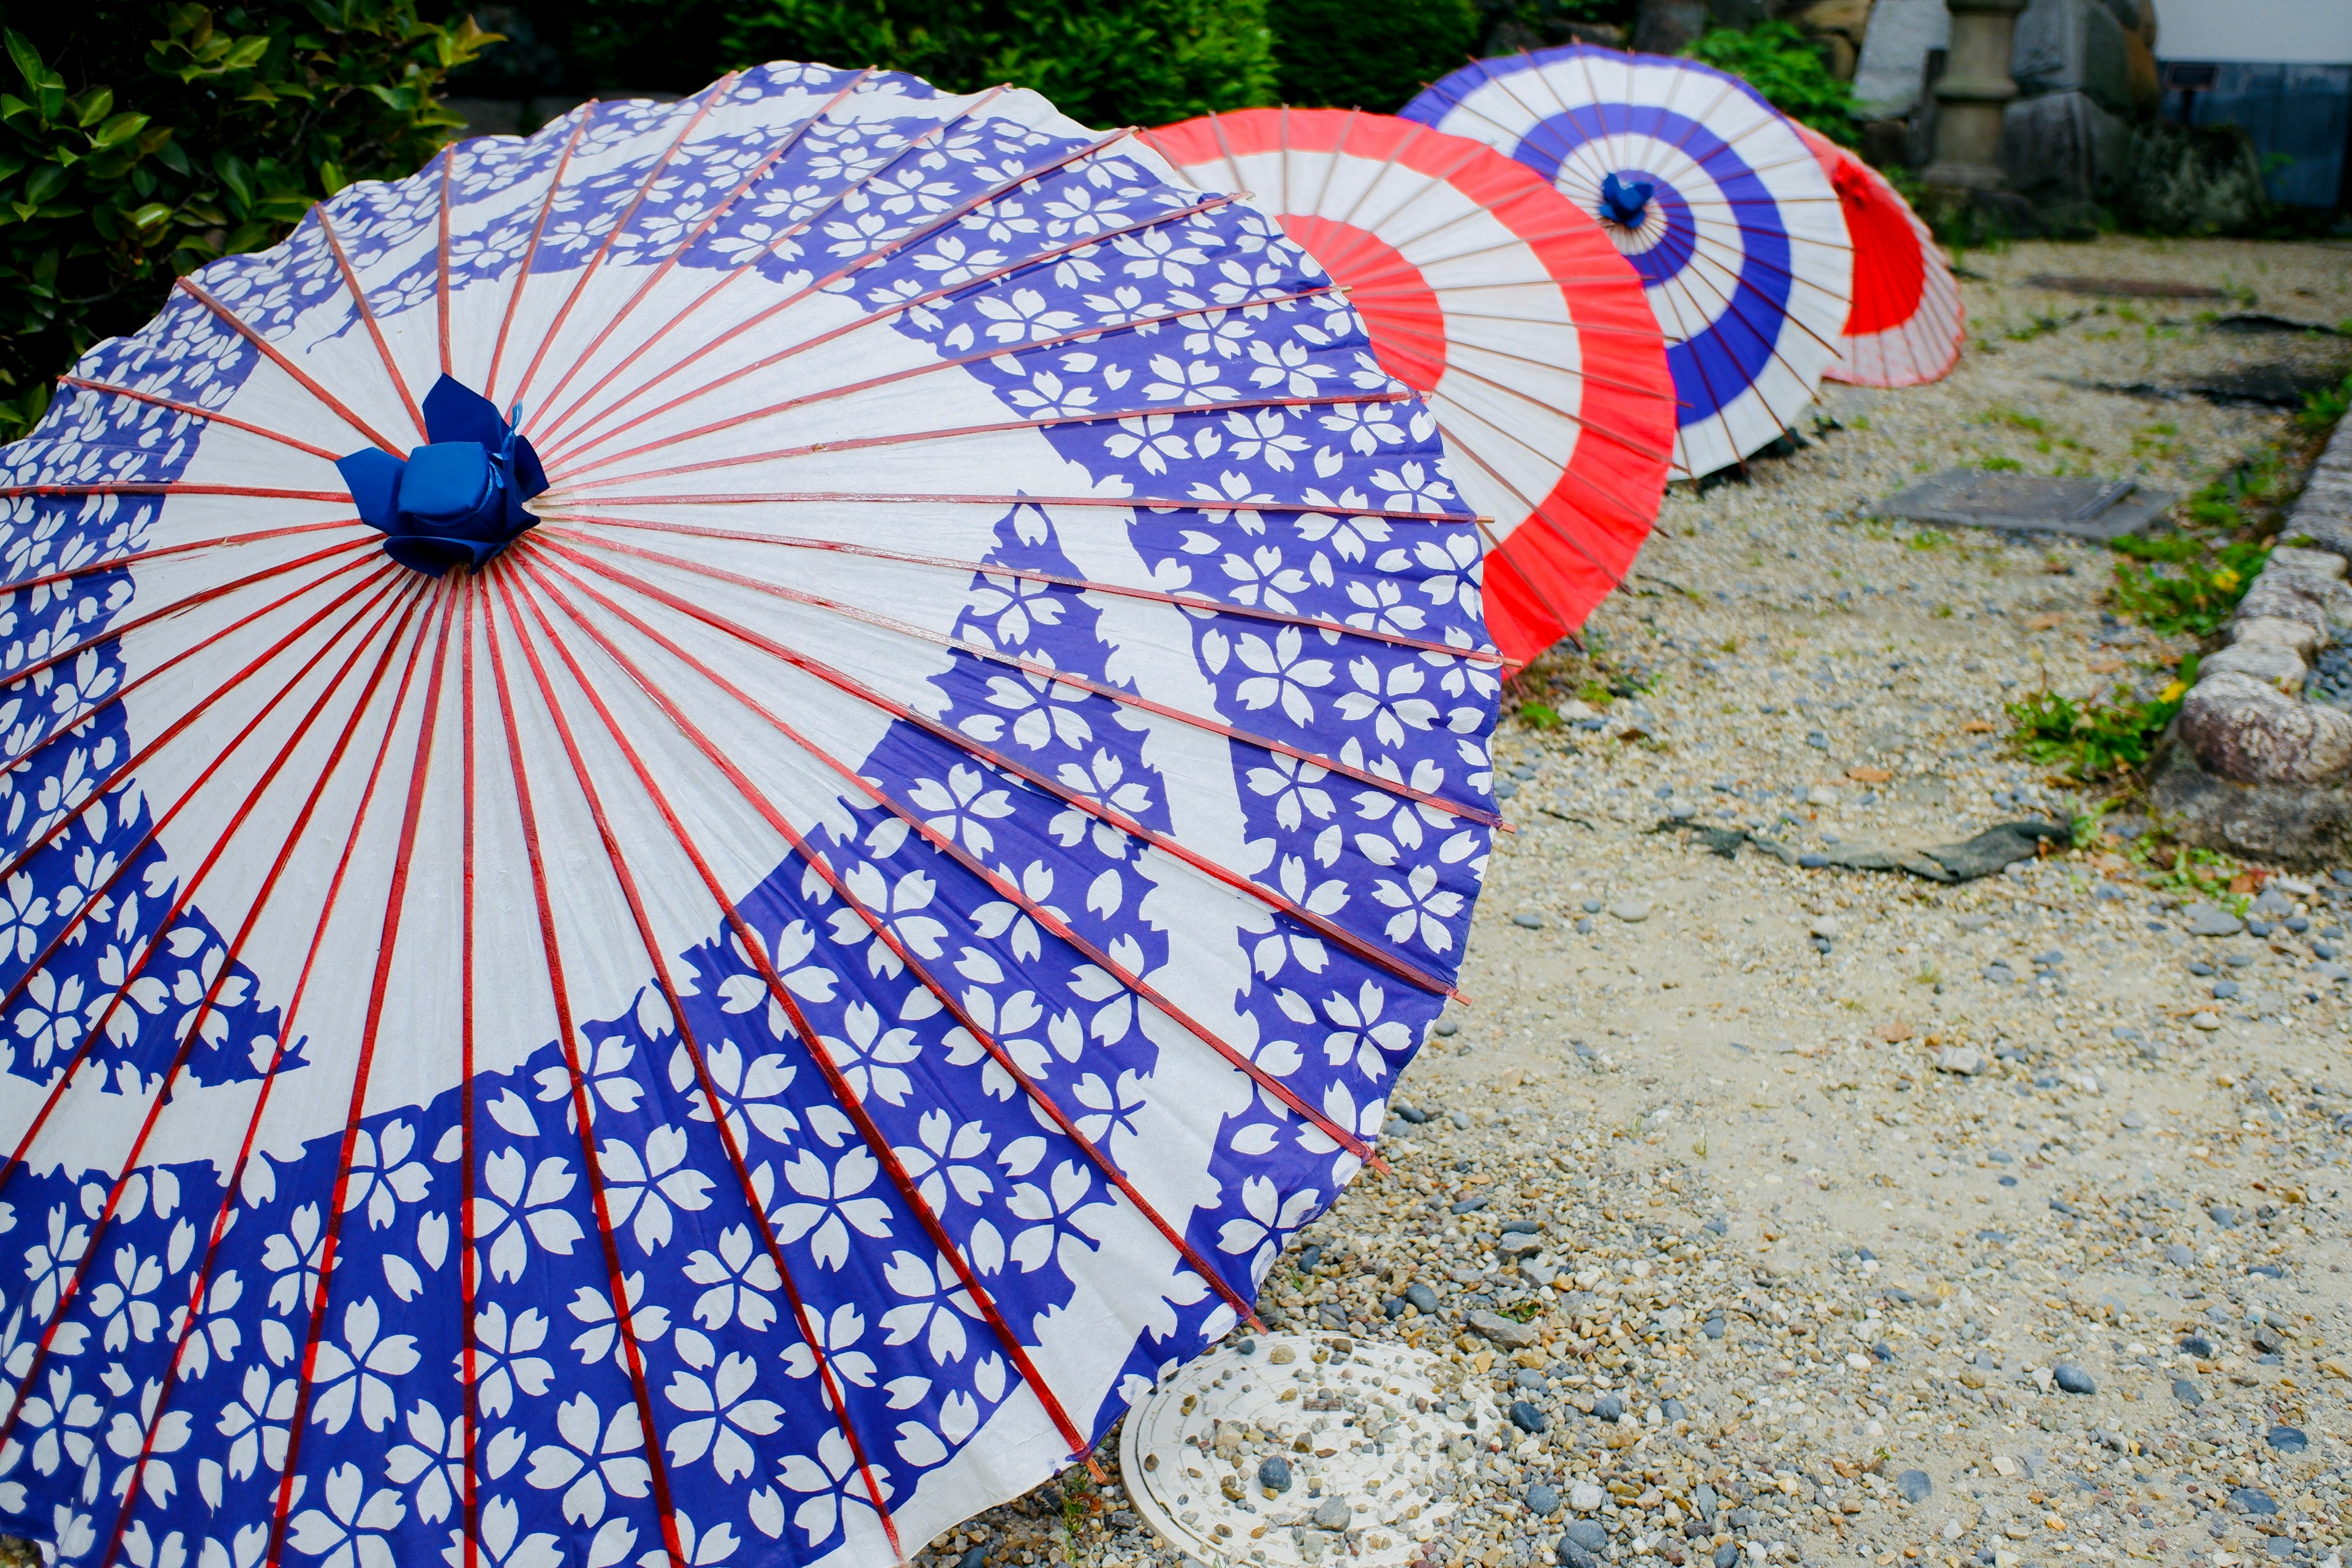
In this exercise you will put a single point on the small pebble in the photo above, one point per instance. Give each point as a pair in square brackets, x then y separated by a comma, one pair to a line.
[1526, 1417]
[1608, 1407]
[2074, 1379]
[1333, 1513]
[2288, 1439]
[2197, 1345]
[1419, 1295]
[1915, 1485]
[1273, 1473]
[2186, 1393]
[1584, 1497]
[1629, 912]
[1543, 1500]
[1532, 921]
[2253, 1501]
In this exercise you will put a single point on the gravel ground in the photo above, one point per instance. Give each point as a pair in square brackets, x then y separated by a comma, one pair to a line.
[1835, 1181]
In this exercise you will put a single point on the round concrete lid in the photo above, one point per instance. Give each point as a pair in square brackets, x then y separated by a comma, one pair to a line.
[1378, 1430]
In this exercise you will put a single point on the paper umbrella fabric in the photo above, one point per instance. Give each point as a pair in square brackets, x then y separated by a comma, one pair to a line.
[1712, 195]
[1494, 296]
[744, 1027]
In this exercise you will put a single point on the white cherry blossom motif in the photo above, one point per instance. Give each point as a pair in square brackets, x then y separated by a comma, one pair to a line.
[505, 1543]
[50, 1022]
[355, 1374]
[601, 1339]
[749, 1090]
[160, 1433]
[350, 1531]
[506, 1356]
[832, 1205]
[291, 1256]
[717, 1398]
[254, 1422]
[948, 1158]
[60, 1423]
[598, 1458]
[739, 1280]
[961, 805]
[1390, 700]
[1266, 1220]
[870, 1057]
[1359, 1035]
[832, 1485]
[431, 1464]
[1058, 1213]
[518, 1205]
[835, 1334]
[642, 1187]
[933, 1306]
[1284, 674]
[384, 1175]
[125, 1304]
[1422, 907]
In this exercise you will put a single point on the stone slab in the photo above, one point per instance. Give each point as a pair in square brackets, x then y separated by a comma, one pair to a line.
[2096, 510]
[2071, 46]
[2060, 149]
[1892, 74]
[2295, 826]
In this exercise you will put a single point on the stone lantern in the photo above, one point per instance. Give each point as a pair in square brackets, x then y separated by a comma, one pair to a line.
[1975, 88]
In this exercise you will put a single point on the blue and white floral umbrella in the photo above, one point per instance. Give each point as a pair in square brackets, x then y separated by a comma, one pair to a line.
[712, 823]
[1709, 192]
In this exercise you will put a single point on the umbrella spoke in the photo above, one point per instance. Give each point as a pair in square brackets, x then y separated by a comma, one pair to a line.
[876, 1144]
[1023, 573]
[677, 254]
[358, 292]
[1027, 667]
[276, 356]
[985, 279]
[917, 438]
[198, 411]
[702, 103]
[749, 266]
[551, 951]
[440, 264]
[115, 563]
[834, 1395]
[233, 1185]
[100, 894]
[70, 1291]
[907, 372]
[1003, 886]
[176, 488]
[530, 252]
[1113, 503]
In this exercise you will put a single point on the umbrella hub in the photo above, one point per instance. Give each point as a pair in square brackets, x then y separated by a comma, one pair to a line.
[456, 500]
[1626, 204]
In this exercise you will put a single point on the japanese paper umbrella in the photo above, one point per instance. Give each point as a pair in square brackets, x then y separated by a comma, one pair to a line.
[1908, 323]
[1711, 194]
[712, 824]
[1492, 296]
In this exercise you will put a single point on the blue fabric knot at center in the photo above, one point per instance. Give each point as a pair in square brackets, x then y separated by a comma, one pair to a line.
[1622, 204]
[457, 502]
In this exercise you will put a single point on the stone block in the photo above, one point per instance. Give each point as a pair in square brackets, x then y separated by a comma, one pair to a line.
[2060, 148]
[2280, 666]
[2283, 825]
[2248, 731]
[2321, 602]
[2300, 636]
[2315, 563]
[2071, 46]
[1892, 75]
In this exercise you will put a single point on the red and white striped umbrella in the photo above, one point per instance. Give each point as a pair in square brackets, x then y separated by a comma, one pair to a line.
[1507, 308]
[1906, 324]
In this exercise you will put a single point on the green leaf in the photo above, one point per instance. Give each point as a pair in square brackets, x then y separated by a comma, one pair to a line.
[119, 129]
[28, 60]
[44, 182]
[149, 219]
[91, 106]
[247, 53]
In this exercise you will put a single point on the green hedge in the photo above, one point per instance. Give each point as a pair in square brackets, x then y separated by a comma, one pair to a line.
[1103, 62]
[1343, 54]
[1779, 61]
[143, 140]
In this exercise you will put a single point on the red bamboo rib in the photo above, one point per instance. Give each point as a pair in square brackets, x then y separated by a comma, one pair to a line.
[980, 280]
[550, 948]
[530, 254]
[1037, 670]
[997, 428]
[230, 1189]
[367, 314]
[659, 960]
[1005, 888]
[114, 562]
[876, 1144]
[105, 1216]
[387, 946]
[1193, 601]
[817, 863]
[302, 377]
[213, 415]
[1112, 503]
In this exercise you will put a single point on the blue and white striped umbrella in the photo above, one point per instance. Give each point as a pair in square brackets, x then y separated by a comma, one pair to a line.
[1709, 192]
[713, 822]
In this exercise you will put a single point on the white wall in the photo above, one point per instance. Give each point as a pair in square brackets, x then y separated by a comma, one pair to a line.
[2297, 32]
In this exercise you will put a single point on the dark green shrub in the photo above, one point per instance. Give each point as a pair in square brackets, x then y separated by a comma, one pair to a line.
[147, 139]
[2189, 180]
[1779, 61]
[1103, 62]
[1342, 54]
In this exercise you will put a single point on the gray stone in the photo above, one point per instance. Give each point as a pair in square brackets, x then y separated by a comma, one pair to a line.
[1531, 921]
[2197, 1345]
[2181, 1256]
[2227, 1218]
[1543, 1500]
[1590, 1534]
[1419, 1295]
[1333, 1513]
[1916, 1486]
[2186, 1393]
[1997, 848]
[2072, 47]
[2319, 562]
[2248, 731]
[1273, 1473]
[2209, 919]
[2297, 635]
[2272, 662]
[2280, 593]
[975, 1558]
[2253, 1501]
[1608, 1407]
[1526, 1417]
[2058, 149]
[1892, 73]
[1703, 1495]
[1630, 911]
[1965, 1060]
[1584, 1497]
[1503, 1332]
[2288, 1439]
[2292, 825]
[1725, 1555]
[2074, 1379]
